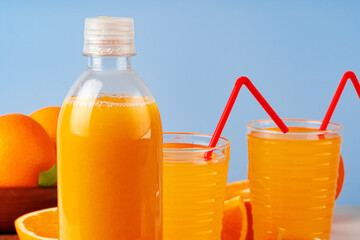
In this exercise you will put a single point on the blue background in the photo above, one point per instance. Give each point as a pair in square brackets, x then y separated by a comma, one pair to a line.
[190, 53]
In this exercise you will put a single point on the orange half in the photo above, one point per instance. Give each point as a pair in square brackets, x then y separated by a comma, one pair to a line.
[235, 220]
[237, 212]
[341, 177]
[38, 225]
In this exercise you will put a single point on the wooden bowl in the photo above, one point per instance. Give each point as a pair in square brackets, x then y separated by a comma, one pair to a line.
[15, 202]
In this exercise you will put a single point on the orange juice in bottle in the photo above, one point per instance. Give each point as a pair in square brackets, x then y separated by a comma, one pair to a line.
[109, 144]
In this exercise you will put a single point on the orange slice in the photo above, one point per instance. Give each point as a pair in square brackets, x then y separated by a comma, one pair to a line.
[341, 176]
[237, 212]
[235, 220]
[238, 188]
[38, 225]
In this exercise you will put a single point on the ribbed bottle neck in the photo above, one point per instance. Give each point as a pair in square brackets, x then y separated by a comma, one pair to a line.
[108, 63]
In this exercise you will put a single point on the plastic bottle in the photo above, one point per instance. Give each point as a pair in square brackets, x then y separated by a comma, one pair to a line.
[109, 143]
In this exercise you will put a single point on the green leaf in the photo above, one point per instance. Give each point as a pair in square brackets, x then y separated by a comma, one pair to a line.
[48, 178]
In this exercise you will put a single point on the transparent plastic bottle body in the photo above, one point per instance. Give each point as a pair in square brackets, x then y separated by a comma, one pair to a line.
[109, 156]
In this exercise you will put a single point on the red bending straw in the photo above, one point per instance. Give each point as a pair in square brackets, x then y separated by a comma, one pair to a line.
[348, 75]
[239, 83]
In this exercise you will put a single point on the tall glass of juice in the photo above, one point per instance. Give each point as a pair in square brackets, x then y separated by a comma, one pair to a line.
[109, 144]
[194, 186]
[293, 178]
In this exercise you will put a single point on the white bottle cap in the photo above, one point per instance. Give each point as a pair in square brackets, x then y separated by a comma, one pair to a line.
[109, 36]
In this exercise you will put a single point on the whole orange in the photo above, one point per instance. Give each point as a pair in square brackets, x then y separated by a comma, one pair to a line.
[25, 151]
[48, 119]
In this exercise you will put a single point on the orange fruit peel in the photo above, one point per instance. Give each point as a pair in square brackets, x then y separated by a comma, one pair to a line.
[25, 151]
[238, 188]
[38, 225]
[237, 212]
[235, 222]
[341, 177]
[47, 117]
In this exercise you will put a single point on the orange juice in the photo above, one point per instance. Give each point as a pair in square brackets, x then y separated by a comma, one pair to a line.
[292, 180]
[194, 189]
[109, 168]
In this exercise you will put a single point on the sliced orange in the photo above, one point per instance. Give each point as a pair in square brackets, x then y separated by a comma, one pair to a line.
[341, 176]
[242, 188]
[238, 188]
[235, 220]
[237, 212]
[38, 225]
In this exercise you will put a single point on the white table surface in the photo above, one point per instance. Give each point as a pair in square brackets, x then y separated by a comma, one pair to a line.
[346, 223]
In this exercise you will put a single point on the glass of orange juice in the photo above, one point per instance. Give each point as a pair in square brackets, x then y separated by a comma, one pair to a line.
[293, 179]
[193, 188]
